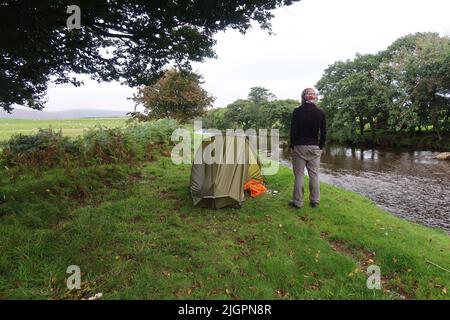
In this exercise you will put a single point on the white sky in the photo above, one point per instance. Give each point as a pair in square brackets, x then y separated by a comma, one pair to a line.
[309, 36]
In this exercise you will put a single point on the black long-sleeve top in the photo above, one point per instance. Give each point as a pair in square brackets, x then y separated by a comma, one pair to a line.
[307, 121]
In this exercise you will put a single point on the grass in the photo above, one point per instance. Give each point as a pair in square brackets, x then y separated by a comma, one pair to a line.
[135, 235]
[70, 127]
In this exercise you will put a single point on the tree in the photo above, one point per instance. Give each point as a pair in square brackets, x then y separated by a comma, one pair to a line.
[353, 96]
[177, 95]
[278, 114]
[128, 41]
[419, 65]
[258, 111]
[239, 114]
[260, 95]
[215, 119]
[401, 89]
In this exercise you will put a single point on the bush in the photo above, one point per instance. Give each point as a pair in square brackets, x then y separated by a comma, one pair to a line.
[150, 139]
[103, 145]
[100, 145]
[46, 148]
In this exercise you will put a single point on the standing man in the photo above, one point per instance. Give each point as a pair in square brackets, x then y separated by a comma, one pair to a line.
[308, 122]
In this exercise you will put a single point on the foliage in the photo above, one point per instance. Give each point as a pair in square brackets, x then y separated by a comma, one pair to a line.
[278, 114]
[404, 88]
[177, 95]
[261, 110]
[99, 145]
[129, 41]
[215, 118]
[46, 148]
[260, 95]
[421, 72]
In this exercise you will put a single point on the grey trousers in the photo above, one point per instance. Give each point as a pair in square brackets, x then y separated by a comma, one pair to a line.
[308, 156]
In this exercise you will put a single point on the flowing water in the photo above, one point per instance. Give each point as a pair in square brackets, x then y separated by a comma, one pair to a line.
[409, 184]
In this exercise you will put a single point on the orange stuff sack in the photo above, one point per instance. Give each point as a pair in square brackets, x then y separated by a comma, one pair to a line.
[255, 188]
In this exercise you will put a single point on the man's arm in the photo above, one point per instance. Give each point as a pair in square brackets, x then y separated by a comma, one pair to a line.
[294, 130]
[323, 132]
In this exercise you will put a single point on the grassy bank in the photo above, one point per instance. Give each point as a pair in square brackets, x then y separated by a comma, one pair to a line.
[135, 235]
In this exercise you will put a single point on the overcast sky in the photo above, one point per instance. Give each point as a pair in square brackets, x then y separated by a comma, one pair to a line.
[309, 36]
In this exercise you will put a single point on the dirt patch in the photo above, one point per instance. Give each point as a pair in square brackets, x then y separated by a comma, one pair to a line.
[136, 219]
[361, 256]
[365, 258]
[135, 176]
[306, 219]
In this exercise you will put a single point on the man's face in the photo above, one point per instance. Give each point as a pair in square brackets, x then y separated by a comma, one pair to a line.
[310, 95]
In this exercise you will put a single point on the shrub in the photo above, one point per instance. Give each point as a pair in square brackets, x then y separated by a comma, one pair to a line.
[150, 139]
[100, 145]
[104, 145]
[46, 148]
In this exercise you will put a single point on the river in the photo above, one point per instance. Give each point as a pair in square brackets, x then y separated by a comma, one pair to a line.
[410, 184]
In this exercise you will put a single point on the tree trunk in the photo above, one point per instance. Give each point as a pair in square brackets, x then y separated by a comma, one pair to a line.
[361, 126]
[435, 116]
[372, 129]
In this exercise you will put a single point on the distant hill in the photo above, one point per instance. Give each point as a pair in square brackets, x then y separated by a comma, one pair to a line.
[68, 114]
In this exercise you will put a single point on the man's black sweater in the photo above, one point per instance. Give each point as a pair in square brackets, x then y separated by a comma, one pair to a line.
[307, 121]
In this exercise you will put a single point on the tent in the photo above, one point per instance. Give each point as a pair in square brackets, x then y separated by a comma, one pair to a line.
[219, 182]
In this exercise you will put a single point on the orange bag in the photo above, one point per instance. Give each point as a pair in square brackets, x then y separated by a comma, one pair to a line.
[255, 188]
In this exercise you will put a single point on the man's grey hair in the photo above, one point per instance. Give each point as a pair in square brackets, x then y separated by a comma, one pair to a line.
[304, 94]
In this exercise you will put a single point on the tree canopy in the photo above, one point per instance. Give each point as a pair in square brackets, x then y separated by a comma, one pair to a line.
[177, 95]
[128, 41]
[261, 110]
[405, 88]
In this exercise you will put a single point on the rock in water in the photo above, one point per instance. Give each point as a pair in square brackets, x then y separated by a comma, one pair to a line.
[443, 156]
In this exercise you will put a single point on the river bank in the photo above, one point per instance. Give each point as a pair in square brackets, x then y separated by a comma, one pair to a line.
[410, 184]
[423, 141]
[135, 235]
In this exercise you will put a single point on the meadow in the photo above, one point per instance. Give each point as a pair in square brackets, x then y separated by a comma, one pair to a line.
[135, 235]
[114, 204]
[69, 127]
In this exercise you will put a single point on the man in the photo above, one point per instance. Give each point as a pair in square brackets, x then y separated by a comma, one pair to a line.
[308, 122]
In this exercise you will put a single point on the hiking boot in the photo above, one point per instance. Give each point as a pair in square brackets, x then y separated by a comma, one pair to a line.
[292, 204]
[313, 204]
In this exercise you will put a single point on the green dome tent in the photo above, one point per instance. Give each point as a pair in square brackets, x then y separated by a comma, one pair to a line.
[220, 183]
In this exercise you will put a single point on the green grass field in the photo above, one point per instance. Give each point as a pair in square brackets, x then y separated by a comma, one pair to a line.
[135, 235]
[70, 127]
